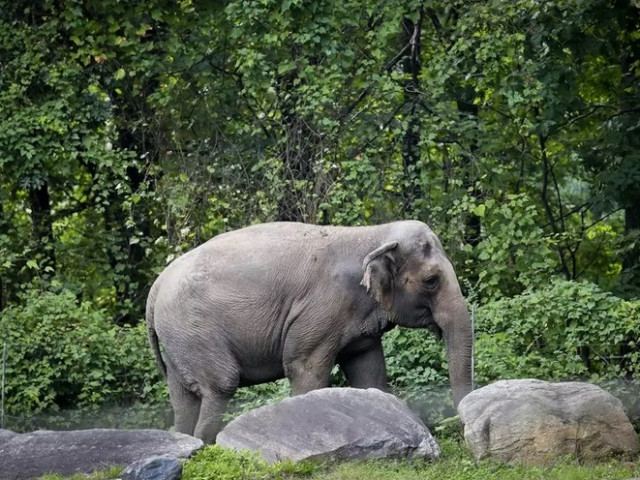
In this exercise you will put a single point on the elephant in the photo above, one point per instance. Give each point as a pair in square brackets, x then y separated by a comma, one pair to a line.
[292, 300]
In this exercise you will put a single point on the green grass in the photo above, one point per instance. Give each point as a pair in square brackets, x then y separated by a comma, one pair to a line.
[106, 474]
[457, 464]
[216, 463]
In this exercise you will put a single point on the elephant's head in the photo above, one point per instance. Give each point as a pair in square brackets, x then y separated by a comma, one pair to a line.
[412, 279]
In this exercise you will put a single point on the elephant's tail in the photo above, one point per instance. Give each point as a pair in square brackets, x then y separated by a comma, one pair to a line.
[151, 331]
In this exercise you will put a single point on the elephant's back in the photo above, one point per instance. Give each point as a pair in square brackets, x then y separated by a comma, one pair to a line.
[262, 261]
[278, 249]
[262, 251]
[277, 235]
[249, 269]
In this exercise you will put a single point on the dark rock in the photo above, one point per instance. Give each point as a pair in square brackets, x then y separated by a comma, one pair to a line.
[332, 424]
[31, 455]
[154, 468]
[535, 422]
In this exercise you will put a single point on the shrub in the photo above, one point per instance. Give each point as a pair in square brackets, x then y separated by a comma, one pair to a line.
[566, 330]
[64, 353]
[561, 331]
[417, 370]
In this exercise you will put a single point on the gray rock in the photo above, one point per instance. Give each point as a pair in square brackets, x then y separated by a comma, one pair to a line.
[332, 424]
[534, 422]
[31, 455]
[154, 468]
[6, 435]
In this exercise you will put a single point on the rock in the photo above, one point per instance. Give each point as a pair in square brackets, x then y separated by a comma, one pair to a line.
[332, 424]
[31, 455]
[154, 468]
[6, 435]
[534, 422]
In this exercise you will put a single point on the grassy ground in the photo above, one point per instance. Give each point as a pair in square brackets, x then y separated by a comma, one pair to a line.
[108, 474]
[215, 463]
[458, 464]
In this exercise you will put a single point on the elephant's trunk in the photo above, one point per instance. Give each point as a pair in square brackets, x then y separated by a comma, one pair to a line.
[458, 337]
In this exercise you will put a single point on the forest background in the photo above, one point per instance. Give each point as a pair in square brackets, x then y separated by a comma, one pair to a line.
[132, 131]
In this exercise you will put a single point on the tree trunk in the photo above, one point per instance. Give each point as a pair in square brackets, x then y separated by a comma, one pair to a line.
[299, 148]
[473, 223]
[3, 228]
[127, 258]
[631, 257]
[298, 159]
[411, 36]
[630, 197]
[42, 228]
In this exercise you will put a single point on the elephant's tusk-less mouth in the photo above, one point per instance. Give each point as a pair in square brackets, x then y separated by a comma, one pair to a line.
[431, 325]
[435, 329]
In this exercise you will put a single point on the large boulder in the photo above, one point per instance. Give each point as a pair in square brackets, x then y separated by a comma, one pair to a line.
[534, 422]
[6, 435]
[30, 455]
[332, 424]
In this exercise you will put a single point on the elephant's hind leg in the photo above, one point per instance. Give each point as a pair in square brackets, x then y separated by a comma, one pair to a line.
[186, 406]
[210, 420]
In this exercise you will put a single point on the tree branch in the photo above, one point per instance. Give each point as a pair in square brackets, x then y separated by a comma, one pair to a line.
[547, 205]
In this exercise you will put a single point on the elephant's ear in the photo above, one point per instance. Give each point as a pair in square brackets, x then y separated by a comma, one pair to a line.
[379, 272]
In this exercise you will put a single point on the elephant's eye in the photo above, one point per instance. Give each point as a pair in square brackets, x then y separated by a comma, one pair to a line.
[431, 282]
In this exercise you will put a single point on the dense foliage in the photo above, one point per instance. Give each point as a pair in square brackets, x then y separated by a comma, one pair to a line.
[65, 354]
[587, 334]
[562, 331]
[132, 131]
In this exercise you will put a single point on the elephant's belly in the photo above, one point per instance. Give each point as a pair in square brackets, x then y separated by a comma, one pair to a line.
[266, 372]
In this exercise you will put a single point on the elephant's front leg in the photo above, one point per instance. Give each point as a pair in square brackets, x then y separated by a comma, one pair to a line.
[365, 368]
[309, 372]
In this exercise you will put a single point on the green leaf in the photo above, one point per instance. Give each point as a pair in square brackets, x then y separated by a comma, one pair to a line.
[286, 67]
[479, 210]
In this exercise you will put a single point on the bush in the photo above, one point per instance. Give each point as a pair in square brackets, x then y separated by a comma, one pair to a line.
[62, 353]
[567, 330]
[417, 370]
[561, 331]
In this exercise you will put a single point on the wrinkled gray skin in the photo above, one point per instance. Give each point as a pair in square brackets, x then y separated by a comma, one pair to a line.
[292, 300]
